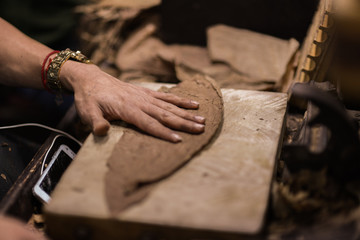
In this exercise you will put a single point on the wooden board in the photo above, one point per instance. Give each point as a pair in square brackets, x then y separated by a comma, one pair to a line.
[222, 192]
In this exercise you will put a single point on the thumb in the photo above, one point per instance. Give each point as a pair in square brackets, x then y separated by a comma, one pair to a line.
[93, 116]
[100, 125]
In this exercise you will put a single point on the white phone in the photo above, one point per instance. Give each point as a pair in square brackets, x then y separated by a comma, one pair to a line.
[53, 172]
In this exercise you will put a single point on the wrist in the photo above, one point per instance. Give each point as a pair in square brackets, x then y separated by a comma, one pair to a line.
[57, 82]
[72, 74]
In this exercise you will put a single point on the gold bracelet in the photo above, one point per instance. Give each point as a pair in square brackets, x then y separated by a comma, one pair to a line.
[53, 72]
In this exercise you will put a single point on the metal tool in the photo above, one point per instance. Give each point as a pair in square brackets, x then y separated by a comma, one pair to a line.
[329, 136]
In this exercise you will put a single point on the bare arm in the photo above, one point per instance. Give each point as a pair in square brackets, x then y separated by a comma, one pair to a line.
[13, 229]
[99, 97]
[20, 57]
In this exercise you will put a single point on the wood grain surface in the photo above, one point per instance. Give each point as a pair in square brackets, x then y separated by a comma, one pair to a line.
[223, 191]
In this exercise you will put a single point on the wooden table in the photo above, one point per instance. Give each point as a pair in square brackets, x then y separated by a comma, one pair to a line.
[221, 193]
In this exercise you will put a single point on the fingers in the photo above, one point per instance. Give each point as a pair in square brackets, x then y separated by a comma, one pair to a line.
[178, 101]
[153, 112]
[173, 121]
[93, 116]
[154, 127]
[179, 112]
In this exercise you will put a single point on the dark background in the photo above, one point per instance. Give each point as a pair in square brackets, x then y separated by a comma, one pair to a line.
[185, 21]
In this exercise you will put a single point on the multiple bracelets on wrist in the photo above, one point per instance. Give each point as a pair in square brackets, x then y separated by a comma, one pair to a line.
[50, 75]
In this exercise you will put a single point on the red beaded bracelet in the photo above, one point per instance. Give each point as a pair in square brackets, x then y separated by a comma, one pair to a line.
[43, 72]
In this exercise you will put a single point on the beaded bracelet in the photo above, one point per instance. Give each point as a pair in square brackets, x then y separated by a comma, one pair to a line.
[43, 72]
[54, 68]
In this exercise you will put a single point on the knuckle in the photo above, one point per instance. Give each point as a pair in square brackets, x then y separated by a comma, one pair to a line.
[188, 115]
[165, 116]
[185, 114]
[185, 126]
[150, 125]
[168, 107]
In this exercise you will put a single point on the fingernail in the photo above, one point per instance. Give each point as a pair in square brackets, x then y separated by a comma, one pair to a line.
[199, 127]
[176, 138]
[194, 103]
[199, 119]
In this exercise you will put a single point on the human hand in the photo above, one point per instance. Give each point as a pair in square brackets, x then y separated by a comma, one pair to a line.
[100, 98]
[12, 229]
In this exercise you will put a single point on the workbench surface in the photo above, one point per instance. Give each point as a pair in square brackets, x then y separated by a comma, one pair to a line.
[223, 191]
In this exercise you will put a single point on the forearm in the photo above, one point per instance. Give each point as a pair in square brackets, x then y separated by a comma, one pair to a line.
[20, 58]
[99, 97]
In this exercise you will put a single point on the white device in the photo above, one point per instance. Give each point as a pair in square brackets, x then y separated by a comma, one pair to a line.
[53, 172]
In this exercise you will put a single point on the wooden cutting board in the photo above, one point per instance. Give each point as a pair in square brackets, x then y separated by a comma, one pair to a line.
[222, 192]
